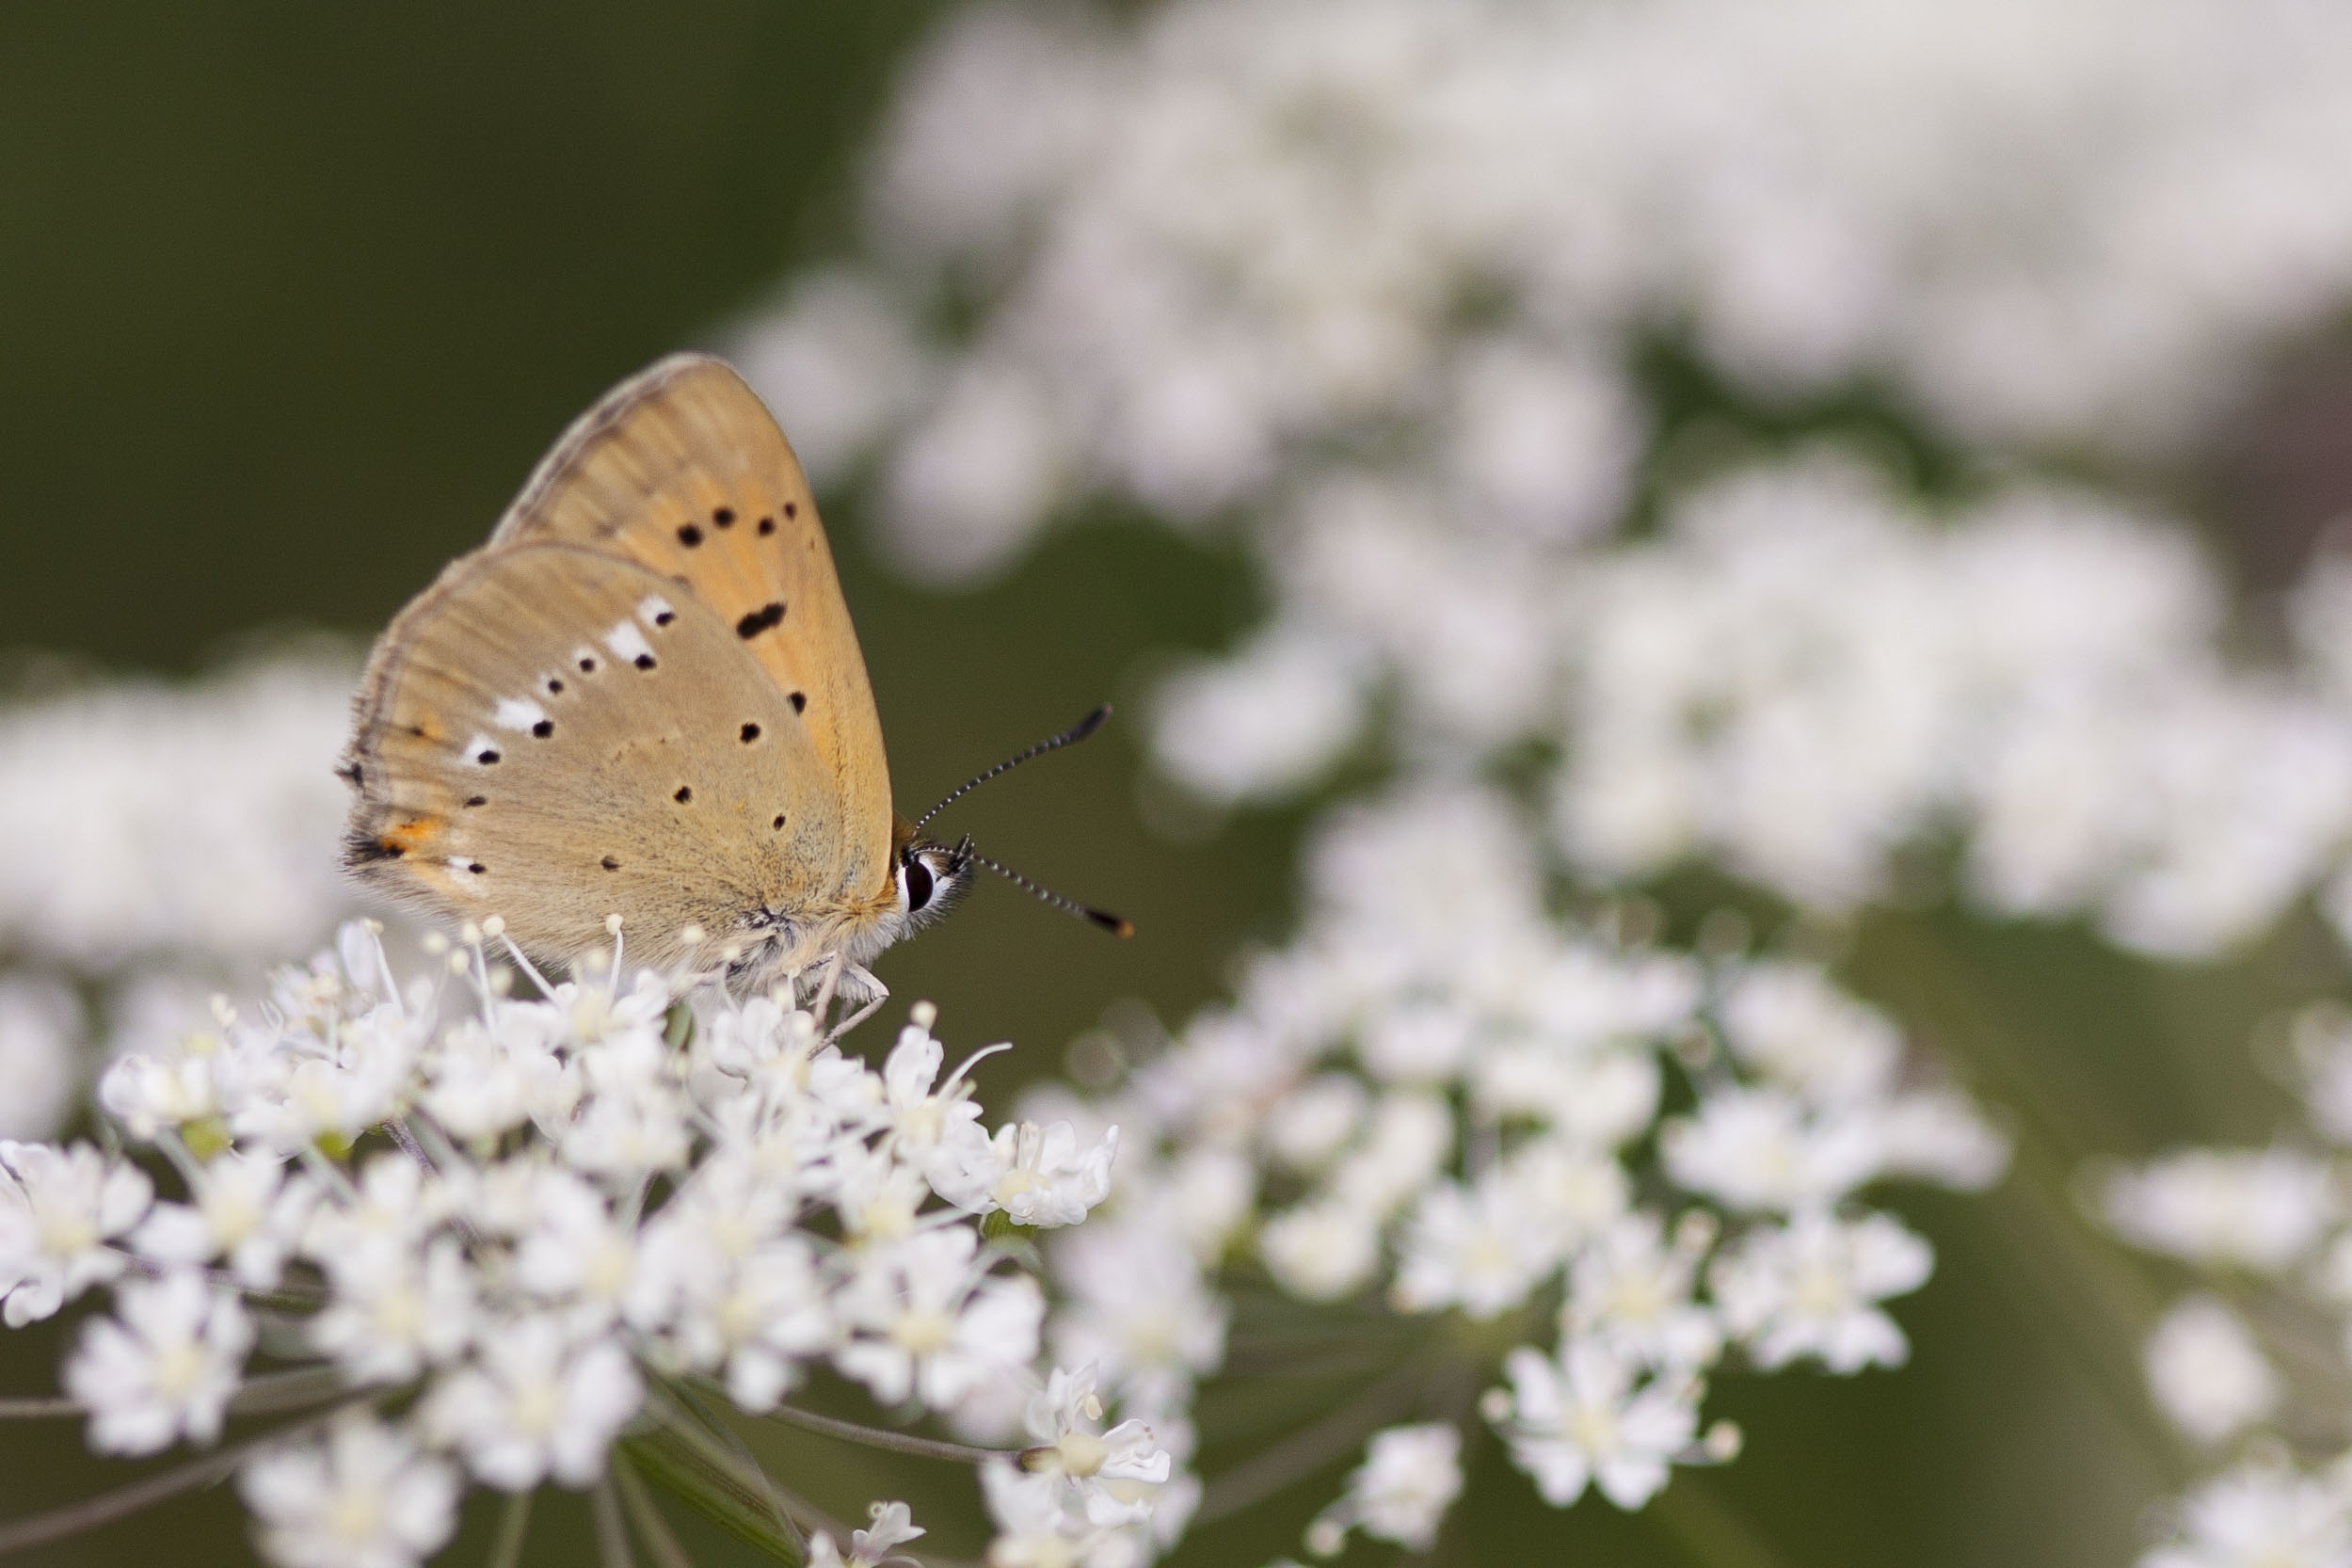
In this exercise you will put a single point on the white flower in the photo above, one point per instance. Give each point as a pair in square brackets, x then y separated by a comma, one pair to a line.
[1409, 1138]
[246, 1210]
[1035, 1530]
[1790, 1021]
[1134, 1303]
[396, 1310]
[2256, 1211]
[1314, 1121]
[1631, 1291]
[40, 1028]
[397, 1202]
[628, 1133]
[1266, 721]
[1061, 1418]
[927, 1323]
[58, 1209]
[1811, 1288]
[2260, 1516]
[338, 1086]
[1323, 1250]
[574, 1253]
[1580, 1420]
[534, 1402]
[362, 1497]
[1409, 1478]
[164, 1367]
[893, 1527]
[1480, 1249]
[1760, 1149]
[481, 1083]
[920, 1120]
[758, 1319]
[1036, 1176]
[2207, 1373]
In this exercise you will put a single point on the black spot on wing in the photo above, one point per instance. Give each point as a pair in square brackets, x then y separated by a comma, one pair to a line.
[685, 792]
[689, 535]
[610, 864]
[543, 728]
[724, 517]
[766, 617]
[750, 732]
[799, 701]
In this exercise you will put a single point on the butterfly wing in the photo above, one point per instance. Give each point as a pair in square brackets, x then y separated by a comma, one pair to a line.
[682, 470]
[554, 734]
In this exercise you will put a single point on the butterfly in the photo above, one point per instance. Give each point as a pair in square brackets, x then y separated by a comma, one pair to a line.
[643, 698]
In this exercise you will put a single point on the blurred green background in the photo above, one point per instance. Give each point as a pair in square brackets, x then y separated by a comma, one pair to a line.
[292, 297]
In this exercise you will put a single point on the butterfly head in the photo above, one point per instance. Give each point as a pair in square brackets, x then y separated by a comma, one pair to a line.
[931, 875]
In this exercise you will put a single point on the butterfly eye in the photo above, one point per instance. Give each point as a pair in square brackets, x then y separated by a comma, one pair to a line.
[918, 884]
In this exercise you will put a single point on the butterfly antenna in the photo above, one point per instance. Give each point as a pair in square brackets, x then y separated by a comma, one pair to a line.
[1071, 736]
[1116, 925]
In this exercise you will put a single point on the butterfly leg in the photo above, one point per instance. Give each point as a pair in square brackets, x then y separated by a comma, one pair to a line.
[876, 994]
[823, 1000]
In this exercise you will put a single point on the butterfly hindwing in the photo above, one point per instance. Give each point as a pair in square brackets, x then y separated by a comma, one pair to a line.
[683, 471]
[554, 734]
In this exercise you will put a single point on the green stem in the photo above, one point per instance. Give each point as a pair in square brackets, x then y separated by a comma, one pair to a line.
[652, 1529]
[893, 1441]
[513, 1524]
[106, 1507]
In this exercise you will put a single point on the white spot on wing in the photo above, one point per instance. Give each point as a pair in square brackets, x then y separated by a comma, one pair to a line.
[651, 608]
[518, 713]
[627, 643]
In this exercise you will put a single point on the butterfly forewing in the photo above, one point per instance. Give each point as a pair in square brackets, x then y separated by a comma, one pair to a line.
[554, 734]
[682, 470]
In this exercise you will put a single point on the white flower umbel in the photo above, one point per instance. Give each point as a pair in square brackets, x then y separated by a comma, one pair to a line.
[1442, 1097]
[662, 1193]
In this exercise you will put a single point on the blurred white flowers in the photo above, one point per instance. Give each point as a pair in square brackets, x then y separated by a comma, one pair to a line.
[2252, 1363]
[1220, 248]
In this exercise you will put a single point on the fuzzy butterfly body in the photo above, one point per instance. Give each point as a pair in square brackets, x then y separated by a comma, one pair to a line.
[644, 696]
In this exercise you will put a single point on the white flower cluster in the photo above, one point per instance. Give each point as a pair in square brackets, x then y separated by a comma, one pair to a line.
[195, 822]
[2251, 1362]
[148, 832]
[490, 1236]
[1636, 1160]
[1803, 672]
[1216, 245]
